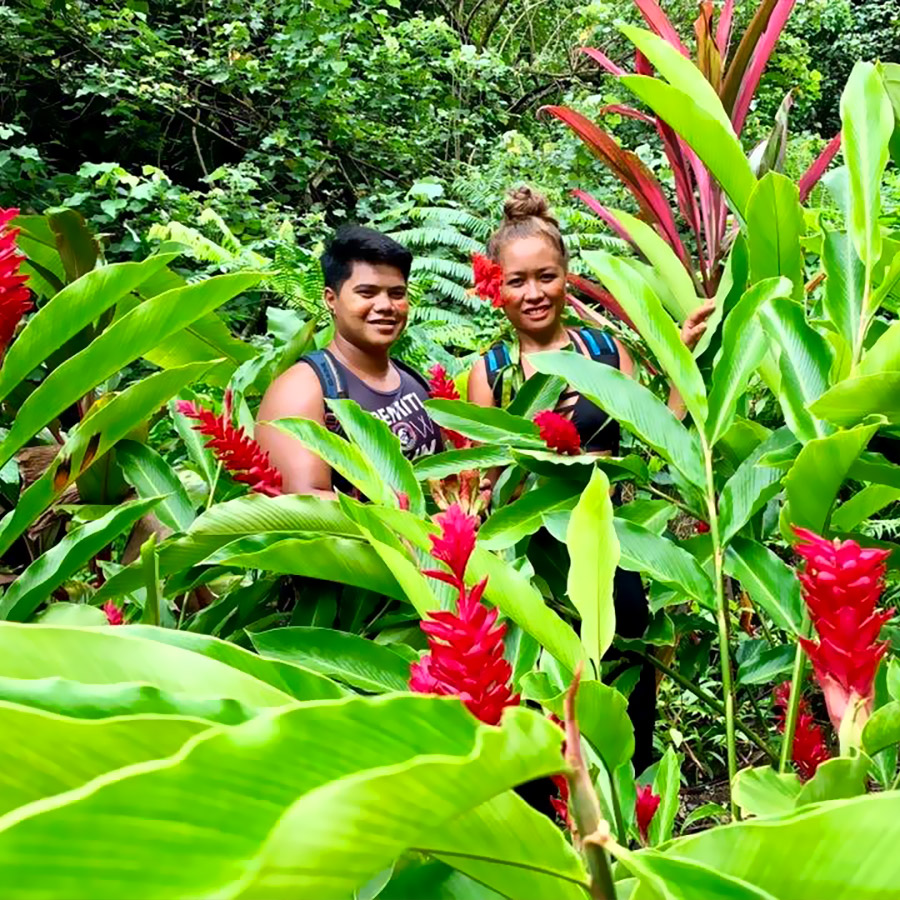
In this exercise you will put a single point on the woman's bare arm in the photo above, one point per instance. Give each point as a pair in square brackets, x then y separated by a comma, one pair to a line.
[294, 394]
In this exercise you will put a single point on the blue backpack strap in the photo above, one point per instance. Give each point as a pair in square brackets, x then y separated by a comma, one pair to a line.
[495, 361]
[331, 378]
[600, 346]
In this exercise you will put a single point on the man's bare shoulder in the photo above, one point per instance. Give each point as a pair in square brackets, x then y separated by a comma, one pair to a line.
[296, 390]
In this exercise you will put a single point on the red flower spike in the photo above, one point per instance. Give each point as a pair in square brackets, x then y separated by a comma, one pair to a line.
[242, 456]
[465, 657]
[645, 807]
[15, 298]
[809, 749]
[441, 384]
[113, 613]
[560, 803]
[702, 528]
[558, 432]
[842, 583]
[488, 278]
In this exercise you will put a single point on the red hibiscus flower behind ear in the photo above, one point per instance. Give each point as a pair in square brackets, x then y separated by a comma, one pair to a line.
[488, 279]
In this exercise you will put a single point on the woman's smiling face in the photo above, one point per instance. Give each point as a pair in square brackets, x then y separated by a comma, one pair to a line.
[534, 285]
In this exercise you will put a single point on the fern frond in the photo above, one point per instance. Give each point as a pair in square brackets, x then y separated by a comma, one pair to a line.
[437, 237]
[442, 216]
[200, 246]
[449, 268]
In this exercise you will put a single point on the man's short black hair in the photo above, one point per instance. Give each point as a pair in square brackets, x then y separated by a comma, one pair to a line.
[356, 243]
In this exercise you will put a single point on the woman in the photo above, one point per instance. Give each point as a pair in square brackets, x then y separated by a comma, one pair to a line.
[530, 249]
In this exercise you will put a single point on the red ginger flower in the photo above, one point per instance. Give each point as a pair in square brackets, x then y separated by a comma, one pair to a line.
[560, 803]
[488, 278]
[702, 527]
[14, 296]
[466, 647]
[842, 582]
[558, 432]
[809, 749]
[242, 456]
[442, 388]
[645, 807]
[462, 489]
[113, 613]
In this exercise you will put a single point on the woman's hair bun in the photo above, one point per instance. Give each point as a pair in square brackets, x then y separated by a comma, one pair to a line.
[525, 203]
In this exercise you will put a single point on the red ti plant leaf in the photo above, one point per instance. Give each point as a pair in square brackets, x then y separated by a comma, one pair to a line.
[629, 112]
[660, 24]
[723, 29]
[629, 169]
[709, 60]
[761, 55]
[735, 74]
[642, 65]
[599, 295]
[812, 175]
[603, 61]
[596, 206]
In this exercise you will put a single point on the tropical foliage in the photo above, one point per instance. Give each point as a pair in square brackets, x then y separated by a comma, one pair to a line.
[211, 688]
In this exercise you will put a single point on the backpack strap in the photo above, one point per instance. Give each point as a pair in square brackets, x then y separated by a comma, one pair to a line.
[495, 361]
[419, 377]
[600, 346]
[331, 378]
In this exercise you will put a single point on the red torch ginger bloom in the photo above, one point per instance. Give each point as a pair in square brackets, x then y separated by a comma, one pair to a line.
[15, 298]
[842, 582]
[645, 807]
[560, 802]
[558, 432]
[442, 388]
[465, 656]
[113, 613]
[702, 528]
[809, 749]
[240, 455]
[488, 278]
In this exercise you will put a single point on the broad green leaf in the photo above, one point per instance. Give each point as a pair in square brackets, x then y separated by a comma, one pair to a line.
[331, 558]
[805, 362]
[837, 779]
[508, 846]
[112, 422]
[774, 228]
[290, 676]
[844, 285]
[602, 715]
[450, 462]
[654, 515]
[813, 482]
[875, 468]
[594, 554]
[883, 355]
[124, 341]
[862, 505]
[35, 585]
[342, 456]
[767, 666]
[850, 401]
[807, 856]
[509, 524]
[743, 348]
[151, 476]
[289, 515]
[549, 464]
[78, 249]
[485, 424]
[68, 312]
[108, 656]
[194, 442]
[347, 657]
[680, 295]
[706, 811]
[43, 754]
[662, 560]
[655, 325]
[667, 784]
[769, 581]
[437, 881]
[883, 728]
[868, 121]
[707, 136]
[539, 392]
[65, 613]
[381, 447]
[374, 775]
[752, 486]
[764, 792]
[632, 405]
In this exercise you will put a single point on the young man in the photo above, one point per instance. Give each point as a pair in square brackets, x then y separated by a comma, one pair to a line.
[366, 275]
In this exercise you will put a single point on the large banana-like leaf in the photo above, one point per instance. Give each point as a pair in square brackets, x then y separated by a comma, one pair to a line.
[774, 228]
[91, 439]
[632, 405]
[844, 285]
[854, 399]
[594, 554]
[377, 775]
[524, 516]
[73, 308]
[862, 505]
[655, 326]
[768, 580]
[450, 462]
[43, 754]
[883, 355]
[486, 424]
[127, 339]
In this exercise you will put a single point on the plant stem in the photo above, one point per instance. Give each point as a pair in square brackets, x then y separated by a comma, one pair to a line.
[212, 487]
[709, 700]
[674, 501]
[722, 614]
[790, 725]
[617, 807]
